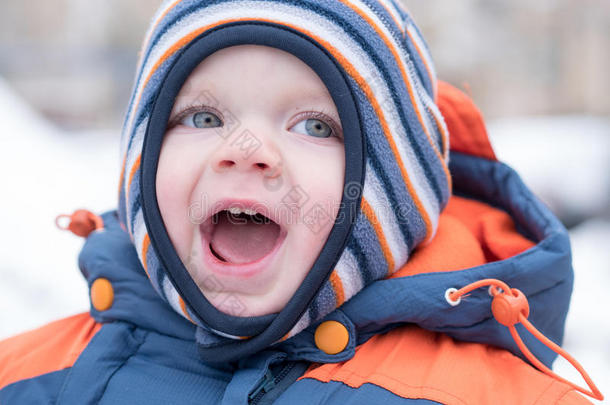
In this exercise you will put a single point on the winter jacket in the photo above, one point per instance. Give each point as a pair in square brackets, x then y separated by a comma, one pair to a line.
[405, 341]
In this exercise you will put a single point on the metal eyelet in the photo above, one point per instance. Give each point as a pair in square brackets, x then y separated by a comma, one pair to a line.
[448, 298]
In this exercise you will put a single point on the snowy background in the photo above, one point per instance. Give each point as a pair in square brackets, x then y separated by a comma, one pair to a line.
[538, 71]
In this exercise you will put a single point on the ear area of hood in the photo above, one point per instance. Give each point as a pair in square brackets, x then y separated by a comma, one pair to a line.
[464, 121]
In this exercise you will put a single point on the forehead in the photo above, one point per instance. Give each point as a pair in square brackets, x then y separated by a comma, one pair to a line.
[258, 67]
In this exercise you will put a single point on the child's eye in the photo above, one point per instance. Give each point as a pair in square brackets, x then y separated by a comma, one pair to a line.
[202, 119]
[314, 127]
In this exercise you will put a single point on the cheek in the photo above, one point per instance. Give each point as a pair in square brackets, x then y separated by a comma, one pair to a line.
[170, 187]
[174, 184]
[324, 173]
[321, 174]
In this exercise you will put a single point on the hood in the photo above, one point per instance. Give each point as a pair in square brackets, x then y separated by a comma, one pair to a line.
[375, 65]
[492, 228]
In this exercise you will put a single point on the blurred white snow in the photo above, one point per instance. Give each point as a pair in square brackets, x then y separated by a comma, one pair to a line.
[45, 173]
[565, 160]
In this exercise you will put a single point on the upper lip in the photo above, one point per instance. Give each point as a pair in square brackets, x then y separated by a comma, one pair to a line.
[258, 207]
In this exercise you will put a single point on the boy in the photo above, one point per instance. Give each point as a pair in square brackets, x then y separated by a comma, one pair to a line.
[287, 230]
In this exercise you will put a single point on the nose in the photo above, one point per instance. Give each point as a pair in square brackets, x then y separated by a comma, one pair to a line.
[247, 153]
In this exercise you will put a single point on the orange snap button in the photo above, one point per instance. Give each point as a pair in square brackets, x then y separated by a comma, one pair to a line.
[102, 294]
[331, 337]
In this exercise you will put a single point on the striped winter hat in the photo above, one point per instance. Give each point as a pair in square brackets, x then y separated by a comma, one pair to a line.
[374, 62]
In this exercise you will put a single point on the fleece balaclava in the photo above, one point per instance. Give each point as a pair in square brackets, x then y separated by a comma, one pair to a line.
[375, 64]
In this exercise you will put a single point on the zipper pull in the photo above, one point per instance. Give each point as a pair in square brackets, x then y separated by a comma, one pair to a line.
[266, 385]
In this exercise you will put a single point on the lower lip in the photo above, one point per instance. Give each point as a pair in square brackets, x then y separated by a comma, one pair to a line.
[244, 270]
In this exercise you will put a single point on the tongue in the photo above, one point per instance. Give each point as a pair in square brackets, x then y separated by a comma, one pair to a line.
[239, 239]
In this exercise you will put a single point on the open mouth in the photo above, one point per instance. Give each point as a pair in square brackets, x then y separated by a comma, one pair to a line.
[240, 238]
[241, 241]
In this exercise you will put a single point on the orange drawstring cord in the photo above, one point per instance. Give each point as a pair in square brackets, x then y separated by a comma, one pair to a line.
[512, 308]
[82, 222]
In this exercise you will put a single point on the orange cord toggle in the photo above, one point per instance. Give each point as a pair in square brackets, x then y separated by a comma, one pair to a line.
[82, 222]
[509, 306]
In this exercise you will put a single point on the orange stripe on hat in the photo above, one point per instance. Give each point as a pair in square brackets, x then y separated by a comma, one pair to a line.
[184, 310]
[132, 172]
[122, 173]
[286, 336]
[370, 215]
[337, 285]
[145, 245]
[50, 348]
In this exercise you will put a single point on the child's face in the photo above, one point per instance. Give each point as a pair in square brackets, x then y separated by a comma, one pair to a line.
[251, 125]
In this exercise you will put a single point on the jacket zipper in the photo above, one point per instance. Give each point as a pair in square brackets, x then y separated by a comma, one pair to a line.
[269, 382]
